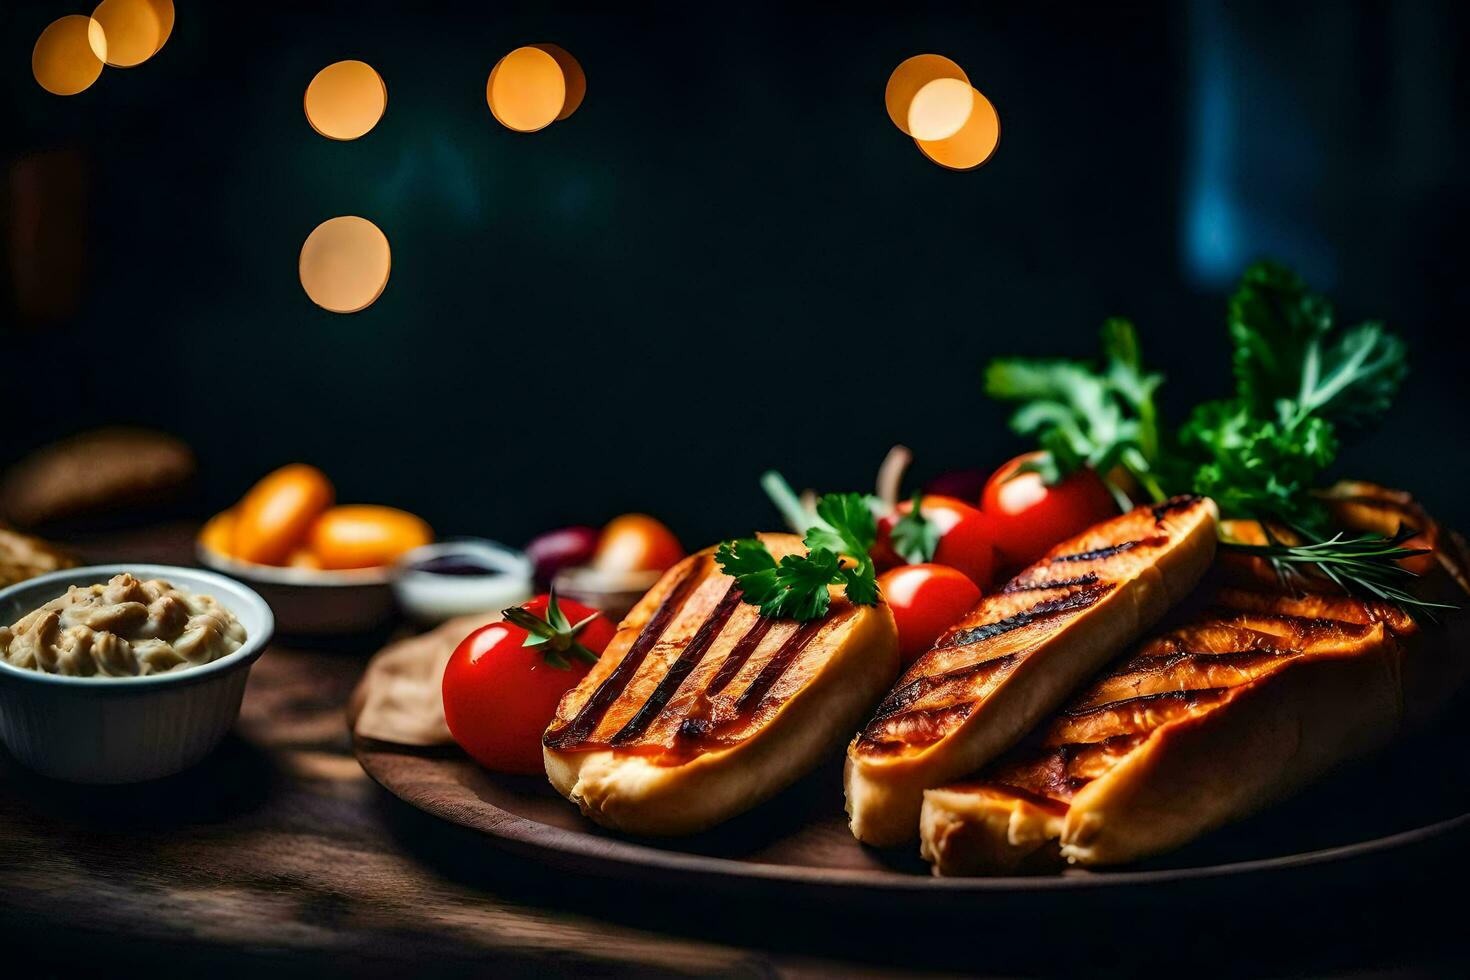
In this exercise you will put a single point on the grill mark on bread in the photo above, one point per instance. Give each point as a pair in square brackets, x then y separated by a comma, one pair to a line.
[699, 731]
[1019, 584]
[1050, 595]
[1154, 663]
[696, 724]
[1097, 554]
[1072, 602]
[687, 660]
[1168, 507]
[899, 700]
[737, 657]
[1042, 766]
[921, 726]
[1187, 697]
[585, 722]
[751, 698]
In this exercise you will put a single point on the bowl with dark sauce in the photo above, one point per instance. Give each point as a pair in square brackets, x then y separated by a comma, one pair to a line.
[459, 577]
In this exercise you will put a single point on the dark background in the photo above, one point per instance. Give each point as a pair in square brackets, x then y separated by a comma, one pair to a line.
[728, 259]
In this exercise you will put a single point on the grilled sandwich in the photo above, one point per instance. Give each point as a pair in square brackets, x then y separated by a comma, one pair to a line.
[1017, 655]
[700, 708]
[1253, 694]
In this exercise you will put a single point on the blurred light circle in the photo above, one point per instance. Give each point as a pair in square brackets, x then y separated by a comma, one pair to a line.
[575, 78]
[973, 144]
[64, 60]
[940, 109]
[911, 76]
[135, 30]
[345, 100]
[164, 9]
[344, 264]
[526, 90]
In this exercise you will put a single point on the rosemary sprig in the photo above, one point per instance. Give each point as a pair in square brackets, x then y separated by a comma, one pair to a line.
[1366, 566]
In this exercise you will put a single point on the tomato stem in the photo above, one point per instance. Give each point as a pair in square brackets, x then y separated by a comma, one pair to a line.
[556, 634]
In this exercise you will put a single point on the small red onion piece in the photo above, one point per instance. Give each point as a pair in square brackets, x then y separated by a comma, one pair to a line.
[963, 485]
[562, 548]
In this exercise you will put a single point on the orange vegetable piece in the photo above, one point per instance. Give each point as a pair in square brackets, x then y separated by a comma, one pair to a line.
[304, 558]
[636, 543]
[366, 536]
[218, 533]
[278, 512]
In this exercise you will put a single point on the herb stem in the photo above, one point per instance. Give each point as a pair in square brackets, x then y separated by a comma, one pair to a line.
[797, 517]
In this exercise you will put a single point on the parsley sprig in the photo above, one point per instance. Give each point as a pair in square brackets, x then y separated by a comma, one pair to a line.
[1085, 416]
[1302, 385]
[838, 540]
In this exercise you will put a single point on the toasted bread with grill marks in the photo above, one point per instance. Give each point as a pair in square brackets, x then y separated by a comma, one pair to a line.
[1017, 655]
[1255, 694]
[700, 708]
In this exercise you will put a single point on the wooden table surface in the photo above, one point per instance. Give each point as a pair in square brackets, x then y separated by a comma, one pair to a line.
[279, 852]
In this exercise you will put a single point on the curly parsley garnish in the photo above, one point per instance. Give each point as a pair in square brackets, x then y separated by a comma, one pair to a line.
[1085, 416]
[1301, 386]
[838, 540]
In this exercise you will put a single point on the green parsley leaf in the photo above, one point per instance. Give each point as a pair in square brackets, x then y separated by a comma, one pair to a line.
[1257, 468]
[1083, 416]
[1287, 365]
[1274, 320]
[796, 586]
[845, 525]
[914, 537]
[744, 556]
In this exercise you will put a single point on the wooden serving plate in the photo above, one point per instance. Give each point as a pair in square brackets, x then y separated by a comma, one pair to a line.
[1396, 806]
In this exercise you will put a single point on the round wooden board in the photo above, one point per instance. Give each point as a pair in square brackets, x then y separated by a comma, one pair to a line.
[799, 841]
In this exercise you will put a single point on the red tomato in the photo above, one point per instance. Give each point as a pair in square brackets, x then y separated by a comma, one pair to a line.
[636, 543]
[926, 600]
[1027, 517]
[964, 541]
[499, 694]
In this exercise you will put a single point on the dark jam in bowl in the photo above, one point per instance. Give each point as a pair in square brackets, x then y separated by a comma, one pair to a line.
[455, 565]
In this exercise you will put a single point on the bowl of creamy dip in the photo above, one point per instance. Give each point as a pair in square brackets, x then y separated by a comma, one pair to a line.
[122, 673]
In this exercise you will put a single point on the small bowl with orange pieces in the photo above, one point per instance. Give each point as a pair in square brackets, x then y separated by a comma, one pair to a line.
[324, 568]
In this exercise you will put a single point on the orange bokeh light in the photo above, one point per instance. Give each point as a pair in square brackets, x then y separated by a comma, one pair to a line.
[527, 90]
[572, 73]
[135, 30]
[911, 76]
[973, 145]
[940, 109]
[345, 100]
[344, 264]
[65, 59]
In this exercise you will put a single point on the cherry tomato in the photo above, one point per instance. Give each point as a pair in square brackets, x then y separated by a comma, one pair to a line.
[1027, 517]
[274, 517]
[964, 542]
[636, 543]
[499, 694]
[926, 600]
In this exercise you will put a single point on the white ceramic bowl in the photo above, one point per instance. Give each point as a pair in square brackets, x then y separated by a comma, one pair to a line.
[312, 603]
[126, 729]
[433, 597]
